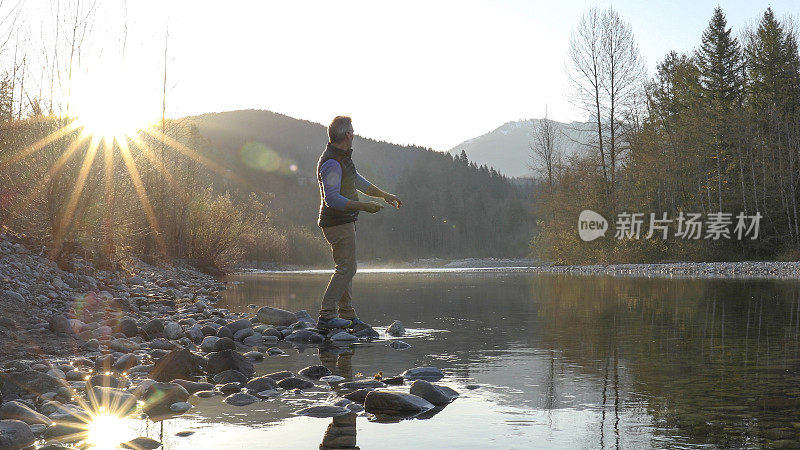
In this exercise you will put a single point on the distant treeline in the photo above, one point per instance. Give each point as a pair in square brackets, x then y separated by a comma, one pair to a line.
[715, 130]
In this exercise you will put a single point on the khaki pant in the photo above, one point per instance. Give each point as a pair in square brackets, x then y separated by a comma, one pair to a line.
[339, 293]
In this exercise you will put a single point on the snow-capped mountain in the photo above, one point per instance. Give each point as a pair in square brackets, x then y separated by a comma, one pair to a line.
[507, 148]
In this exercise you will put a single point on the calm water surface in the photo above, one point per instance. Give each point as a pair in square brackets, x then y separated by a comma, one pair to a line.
[561, 362]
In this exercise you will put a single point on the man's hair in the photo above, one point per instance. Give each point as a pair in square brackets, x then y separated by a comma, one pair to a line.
[339, 127]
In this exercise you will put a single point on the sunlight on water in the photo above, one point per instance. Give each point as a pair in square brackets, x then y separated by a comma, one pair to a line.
[402, 270]
[108, 431]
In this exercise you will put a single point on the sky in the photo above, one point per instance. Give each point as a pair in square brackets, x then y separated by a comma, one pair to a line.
[432, 73]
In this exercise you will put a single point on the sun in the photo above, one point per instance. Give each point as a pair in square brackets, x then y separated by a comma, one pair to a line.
[112, 102]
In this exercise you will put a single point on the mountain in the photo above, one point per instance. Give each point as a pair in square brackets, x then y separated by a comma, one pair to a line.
[507, 148]
[452, 207]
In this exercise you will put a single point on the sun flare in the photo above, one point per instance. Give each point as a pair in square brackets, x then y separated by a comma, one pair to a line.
[108, 431]
[110, 102]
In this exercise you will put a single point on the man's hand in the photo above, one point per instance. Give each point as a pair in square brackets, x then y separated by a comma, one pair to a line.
[371, 207]
[392, 200]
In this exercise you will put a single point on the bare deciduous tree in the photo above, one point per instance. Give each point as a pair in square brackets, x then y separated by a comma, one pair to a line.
[545, 155]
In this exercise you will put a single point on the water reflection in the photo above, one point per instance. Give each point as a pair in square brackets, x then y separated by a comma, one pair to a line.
[571, 361]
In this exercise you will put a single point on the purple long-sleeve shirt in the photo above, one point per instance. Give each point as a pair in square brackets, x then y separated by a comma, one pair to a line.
[331, 174]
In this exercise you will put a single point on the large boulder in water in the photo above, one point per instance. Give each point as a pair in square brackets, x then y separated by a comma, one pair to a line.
[159, 396]
[423, 373]
[176, 364]
[395, 403]
[228, 360]
[275, 316]
[438, 395]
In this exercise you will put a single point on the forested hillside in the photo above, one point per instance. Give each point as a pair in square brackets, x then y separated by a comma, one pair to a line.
[714, 131]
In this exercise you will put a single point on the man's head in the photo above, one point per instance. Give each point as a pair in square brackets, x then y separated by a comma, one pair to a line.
[340, 131]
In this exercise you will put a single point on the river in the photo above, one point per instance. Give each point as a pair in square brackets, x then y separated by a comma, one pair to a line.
[540, 361]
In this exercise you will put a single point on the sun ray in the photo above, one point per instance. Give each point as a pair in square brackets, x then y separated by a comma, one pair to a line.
[156, 162]
[130, 164]
[175, 145]
[41, 143]
[53, 170]
[108, 198]
[73, 200]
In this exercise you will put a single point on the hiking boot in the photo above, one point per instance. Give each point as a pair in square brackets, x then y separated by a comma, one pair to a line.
[336, 322]
[358, 325]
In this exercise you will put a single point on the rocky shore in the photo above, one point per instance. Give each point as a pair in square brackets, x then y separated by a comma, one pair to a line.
[79, 342]
[726, 270]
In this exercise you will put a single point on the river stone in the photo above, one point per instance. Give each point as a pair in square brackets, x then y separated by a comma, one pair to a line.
[228, 359]
[278, 376]
[243, 333]
[240, 399]
[262, 383]
[304, 317]
[437, 395]
[332, 378]
[275, 316]
[367, 333]
[239, 325]
[230, 388]
[423, 373]
[27, 381]
[295, 383]
[271, 331]
[224, 343]
[314, 372]
[399, 345]
[154, 328]
[60, 324]
[180, 407]
[208, 343]
[15, 434]
[195, 333]
[343, 336]
[275, 351]
[361, 384]
[123, 345]
[396, 329]
[173, 331]
[268, 393]
[205, 394]
[225, 332]
[394, 380]
[141, 443]
[323, 411]
[391, 402]
[125, 362]
[359, 395]
[20, 411]
[253, 340]
[254, 355]
[305, 336]
[128, 327]
[176, 364]
[159, 396]
[230, 376]
[193, 386]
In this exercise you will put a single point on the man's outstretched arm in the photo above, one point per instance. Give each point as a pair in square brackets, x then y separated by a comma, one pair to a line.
[364, 185]
[331, 174]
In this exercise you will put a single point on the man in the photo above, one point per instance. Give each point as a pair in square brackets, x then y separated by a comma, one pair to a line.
[338, 211]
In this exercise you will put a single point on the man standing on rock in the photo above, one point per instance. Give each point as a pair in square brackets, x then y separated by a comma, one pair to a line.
[338, 211]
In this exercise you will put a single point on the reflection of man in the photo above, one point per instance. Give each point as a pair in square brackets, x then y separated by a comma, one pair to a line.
[341, 433]
[338, 360]
[338, 211]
